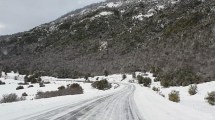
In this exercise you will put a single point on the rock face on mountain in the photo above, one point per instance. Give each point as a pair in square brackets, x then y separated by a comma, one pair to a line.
[119, 36]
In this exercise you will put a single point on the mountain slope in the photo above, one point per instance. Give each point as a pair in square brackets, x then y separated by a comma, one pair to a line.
[119, 37]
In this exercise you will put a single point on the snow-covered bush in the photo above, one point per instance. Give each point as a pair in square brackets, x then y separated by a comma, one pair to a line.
[24, 94]
[211, 98]
[161, 94]
[23, 83]
[47, 82]
[39, 79]
[124, 76]
[86, 77]
[155, 71]
[174, 96]
[41, 84]
[15, 77]
[70, 90]
[2, 83]
[75, 86]
[106, 73]
[26, 79]
[165, 83]
[144, 80]
[155, 89]
[140, 79]
[30, 86]
[61, 87]
[10, 98]
[35, 78]
[134, 75]
[19, 88]
[156, 79]
[101, 85]
[180, 77]
[145, 74]
[192, 89]
[147, 82]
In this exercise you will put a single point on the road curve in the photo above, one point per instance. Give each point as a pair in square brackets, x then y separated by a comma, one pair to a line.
[116, 106]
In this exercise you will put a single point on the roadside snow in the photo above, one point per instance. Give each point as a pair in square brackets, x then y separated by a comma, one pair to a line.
[36, 107]
[151, 105]
[197, 101]
[33, 106]
[189, 107]
[11, 86]
[154, 107]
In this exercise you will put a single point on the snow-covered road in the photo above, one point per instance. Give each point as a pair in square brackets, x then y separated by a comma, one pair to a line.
[116, 106]
[129, 101]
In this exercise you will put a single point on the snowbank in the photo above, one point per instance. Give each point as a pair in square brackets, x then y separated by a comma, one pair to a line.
[154, 107]
[35, 107]
[197, 101]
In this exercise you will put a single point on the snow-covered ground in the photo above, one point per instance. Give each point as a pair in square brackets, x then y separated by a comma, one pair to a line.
[189, 107]
[154, 107]
[12, 84]
[150, 104]
[33, 106]
[197, 101]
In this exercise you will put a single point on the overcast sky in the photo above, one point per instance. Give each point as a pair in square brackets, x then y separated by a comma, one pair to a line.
[21, 15]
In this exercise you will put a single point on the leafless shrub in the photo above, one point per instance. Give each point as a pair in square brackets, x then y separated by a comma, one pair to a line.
[155, 89]
[2, 83]
[192, 89]
[19, 88]
[24, 94]
[8, 98]
[30, 86]
[101, 85]
[211, 98]
[174, 96]
[71, 90]
[23, 83]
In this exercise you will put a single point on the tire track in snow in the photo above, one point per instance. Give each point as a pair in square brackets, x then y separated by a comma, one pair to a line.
[117, 106]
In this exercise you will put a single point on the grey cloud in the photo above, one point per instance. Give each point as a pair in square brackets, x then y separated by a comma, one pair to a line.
[22, 15]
